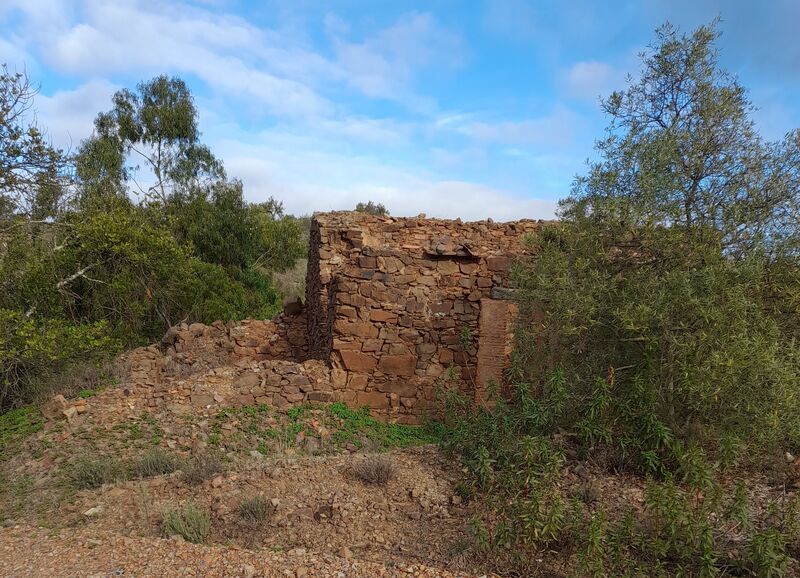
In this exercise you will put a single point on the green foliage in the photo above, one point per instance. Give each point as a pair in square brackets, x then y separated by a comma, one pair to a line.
[372, 208]
[355, 425]
[81, 277]
[156, 125]
[216, 222]
[33, 351]
[188, 521]
[17, 424]
[30, 181]
[668, 293]
[92, 472]
[657, 335]
[281, 239]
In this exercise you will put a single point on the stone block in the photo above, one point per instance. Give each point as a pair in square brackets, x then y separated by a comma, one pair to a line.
[448, 267]
[247, 381]
[363, 329]
[357, 361]
[372, 345]
[321, 396]
[372, 399]
[339, 344]
[398, 364]
[382, 316]
[498, 263]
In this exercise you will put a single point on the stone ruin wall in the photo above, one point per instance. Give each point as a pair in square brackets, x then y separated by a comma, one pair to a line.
[387, 303]
[389, 299]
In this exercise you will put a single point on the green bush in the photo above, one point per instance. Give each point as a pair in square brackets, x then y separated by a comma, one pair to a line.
[155, 462]
[33, 351]
[88, 473]
[188, 521]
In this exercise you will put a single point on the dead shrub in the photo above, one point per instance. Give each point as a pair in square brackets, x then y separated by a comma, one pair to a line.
[255, 510]
[203, 467]
[376, 470]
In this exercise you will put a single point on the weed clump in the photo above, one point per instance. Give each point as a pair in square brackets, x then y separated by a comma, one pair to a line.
[88, 473]
[188, 521]
[377, 470]
[203, 467]
[155, 462]
[255, 510]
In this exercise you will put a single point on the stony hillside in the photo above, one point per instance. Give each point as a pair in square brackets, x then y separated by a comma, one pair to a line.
[86, 483]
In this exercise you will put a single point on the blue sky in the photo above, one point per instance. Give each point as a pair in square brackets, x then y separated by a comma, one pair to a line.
[466, 108]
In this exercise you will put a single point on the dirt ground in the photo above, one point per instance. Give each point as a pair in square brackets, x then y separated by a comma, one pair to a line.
[323, 520]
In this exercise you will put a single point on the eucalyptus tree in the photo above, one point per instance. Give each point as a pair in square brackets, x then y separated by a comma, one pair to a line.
[149, 143]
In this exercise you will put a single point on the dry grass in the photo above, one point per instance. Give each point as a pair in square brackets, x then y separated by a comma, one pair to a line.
[88, 473]
[203, 467]
[188, 521]
[255, 510]
[378, 470]
[292, 283]
[155, 462]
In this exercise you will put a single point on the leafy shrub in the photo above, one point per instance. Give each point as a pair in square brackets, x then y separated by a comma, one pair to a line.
[515, 458]
[89, 473]
[33, 351]
[374, 469]
[188, 521]
[255, 510]
[155, 463]
[203, 467]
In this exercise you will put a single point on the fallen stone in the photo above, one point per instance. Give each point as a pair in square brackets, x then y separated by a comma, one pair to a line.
[92, 512]
[54, 408]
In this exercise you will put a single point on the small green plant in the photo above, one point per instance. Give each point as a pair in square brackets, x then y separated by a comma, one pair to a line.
[86, 393]
[767, 553]
[378, 470]
[18, 424]
[354, 425]
[255, 510]
[88, 473]
[188, 521]
[155, 463]
[203, 467]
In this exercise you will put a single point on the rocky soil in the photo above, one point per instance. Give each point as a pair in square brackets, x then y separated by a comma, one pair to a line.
[323, 520]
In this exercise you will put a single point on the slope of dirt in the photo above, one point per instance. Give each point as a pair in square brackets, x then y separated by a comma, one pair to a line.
[324, 521]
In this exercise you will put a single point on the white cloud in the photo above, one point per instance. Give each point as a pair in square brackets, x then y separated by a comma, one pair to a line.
[384, 65]
[310, 176]
[225, 52]
[554, 130]
[68, 115]
[590, 80]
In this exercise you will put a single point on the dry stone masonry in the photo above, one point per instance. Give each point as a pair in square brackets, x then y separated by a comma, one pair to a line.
[394, 306]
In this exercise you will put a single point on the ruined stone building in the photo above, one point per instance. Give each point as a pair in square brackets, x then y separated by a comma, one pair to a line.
[393, 307]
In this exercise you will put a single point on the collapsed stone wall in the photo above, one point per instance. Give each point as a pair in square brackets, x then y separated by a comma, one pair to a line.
[203, 365]
[397, 305]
